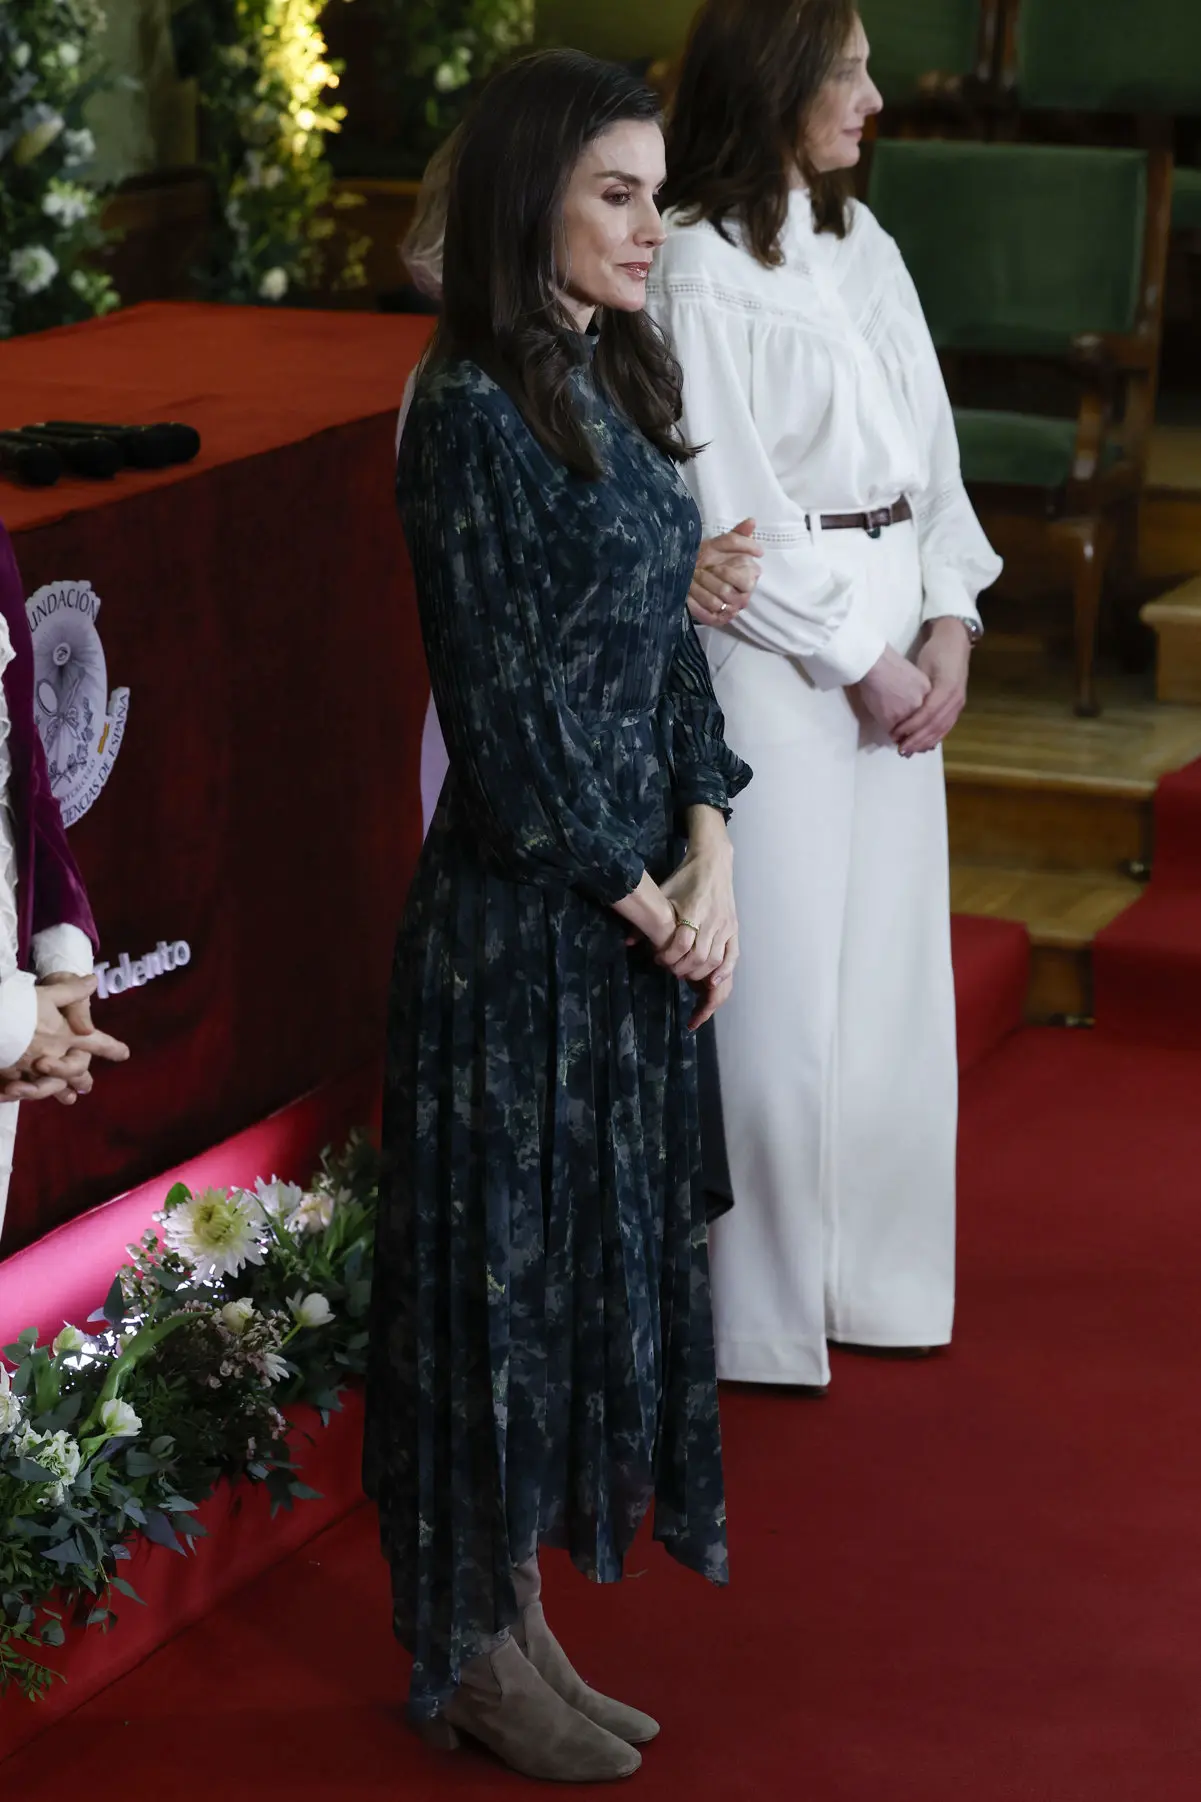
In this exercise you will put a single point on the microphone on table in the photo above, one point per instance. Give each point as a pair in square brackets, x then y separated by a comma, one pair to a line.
[95, 457]
[39, 465]
[143, 446]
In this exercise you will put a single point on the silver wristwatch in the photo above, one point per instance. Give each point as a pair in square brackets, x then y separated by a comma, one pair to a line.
[973, 628]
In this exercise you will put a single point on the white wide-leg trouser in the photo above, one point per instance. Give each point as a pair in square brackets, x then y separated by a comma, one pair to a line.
[837, 1048]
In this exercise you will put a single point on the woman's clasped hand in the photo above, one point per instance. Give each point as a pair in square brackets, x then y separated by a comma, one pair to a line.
[703, 947]
[727, 569]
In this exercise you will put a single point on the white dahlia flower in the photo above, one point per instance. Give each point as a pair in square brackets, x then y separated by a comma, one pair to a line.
[215, 1232]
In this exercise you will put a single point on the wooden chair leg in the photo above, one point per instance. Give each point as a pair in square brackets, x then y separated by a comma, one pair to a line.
[1087, 544]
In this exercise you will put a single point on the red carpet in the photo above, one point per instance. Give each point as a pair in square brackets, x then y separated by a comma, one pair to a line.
[992, 971]
[972, 1580]
[1147, 965]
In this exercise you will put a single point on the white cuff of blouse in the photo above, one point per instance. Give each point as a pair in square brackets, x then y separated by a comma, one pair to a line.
[62, 951]
[851, 650]
[947, 596]
[18, 1016]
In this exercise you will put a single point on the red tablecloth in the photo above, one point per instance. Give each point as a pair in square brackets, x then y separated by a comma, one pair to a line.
[263, 807]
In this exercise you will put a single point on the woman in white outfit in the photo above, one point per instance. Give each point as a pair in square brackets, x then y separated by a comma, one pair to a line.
[810, 376]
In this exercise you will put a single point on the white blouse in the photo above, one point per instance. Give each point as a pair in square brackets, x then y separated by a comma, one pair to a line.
[815, 388]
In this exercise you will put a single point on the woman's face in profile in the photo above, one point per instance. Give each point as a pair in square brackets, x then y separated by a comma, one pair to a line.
[834, 129]
[611, 224]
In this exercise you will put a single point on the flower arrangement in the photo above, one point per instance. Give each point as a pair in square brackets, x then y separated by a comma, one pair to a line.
[266, 82]
[440, 51]
[244, 1302]
[49, 224]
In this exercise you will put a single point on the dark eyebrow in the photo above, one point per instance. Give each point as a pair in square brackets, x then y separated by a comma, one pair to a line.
[633, 181]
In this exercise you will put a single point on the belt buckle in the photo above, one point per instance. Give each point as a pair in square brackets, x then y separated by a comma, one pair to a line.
[875, 522]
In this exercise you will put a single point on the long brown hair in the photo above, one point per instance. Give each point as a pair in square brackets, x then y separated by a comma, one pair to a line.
[750, 75]
[512, 161]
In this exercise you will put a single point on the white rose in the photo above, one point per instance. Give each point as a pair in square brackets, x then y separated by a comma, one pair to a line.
[69, 1340]
[57, 1453]
[313, 1215]
[80, 147]
[10, 1404]
[313, 1311]
[237, 1315]
[274, 284]
[32, 268]
[120, 1420]
[66, 204]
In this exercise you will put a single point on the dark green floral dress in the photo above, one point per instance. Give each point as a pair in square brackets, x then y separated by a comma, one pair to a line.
[542, 1360]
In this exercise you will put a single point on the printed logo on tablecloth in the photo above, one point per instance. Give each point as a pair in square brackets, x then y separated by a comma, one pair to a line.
[80, 723]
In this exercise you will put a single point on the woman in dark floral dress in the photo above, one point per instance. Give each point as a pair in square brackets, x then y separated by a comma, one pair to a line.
[542, 1363]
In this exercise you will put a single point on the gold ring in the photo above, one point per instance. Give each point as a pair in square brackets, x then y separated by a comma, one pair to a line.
[691, 924]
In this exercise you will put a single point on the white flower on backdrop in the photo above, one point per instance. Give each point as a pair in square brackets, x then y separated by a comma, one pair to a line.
[214, 1232]
[312, 1311]
[119, 1419]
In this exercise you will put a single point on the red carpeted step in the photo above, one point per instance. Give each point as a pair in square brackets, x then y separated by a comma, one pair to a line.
[973, 1579]
[992, 971]
[1147, 964]
[1147, 970]
[1178, 828]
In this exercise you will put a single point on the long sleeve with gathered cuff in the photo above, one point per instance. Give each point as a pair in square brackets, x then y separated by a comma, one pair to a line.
[707, 772]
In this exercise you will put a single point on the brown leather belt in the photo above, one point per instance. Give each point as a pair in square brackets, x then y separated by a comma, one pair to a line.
[872, 523]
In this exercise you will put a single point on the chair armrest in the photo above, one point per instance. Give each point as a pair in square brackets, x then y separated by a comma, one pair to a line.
[1092, 429]
[1112, 353]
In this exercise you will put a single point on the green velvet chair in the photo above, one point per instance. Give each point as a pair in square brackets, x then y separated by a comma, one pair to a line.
[1186, 200]
[1105, 56]
[1041, 271]
[931, 50]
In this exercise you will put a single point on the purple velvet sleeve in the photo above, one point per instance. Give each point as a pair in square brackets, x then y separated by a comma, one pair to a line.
[50, 889]
[59, 897]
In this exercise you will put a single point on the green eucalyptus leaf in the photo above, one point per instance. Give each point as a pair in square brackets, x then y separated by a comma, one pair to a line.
[114, 1304]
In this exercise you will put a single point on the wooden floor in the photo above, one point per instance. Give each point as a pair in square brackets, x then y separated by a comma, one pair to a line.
[1175, 461]
[1170, 513]
[1051, 817]
[1029, 736]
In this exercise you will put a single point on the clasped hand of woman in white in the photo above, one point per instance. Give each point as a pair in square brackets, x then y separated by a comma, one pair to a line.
[917, 703]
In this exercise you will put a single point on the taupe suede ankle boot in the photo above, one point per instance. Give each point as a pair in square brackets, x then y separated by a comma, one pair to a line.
[552, 1663]
[503, 1702]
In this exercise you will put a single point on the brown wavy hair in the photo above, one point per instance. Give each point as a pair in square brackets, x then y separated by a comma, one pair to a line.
[751, 72]
[512, 161]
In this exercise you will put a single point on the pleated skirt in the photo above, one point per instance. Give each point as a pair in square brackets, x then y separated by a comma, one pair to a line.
[542, 1364]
